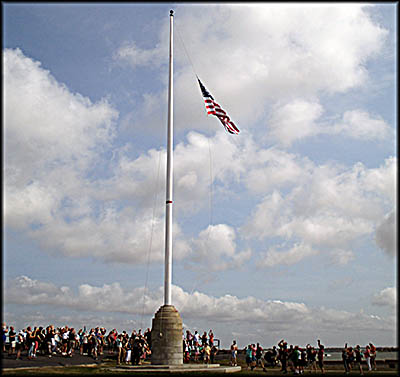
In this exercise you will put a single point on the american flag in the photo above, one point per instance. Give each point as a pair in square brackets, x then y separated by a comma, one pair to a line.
[213, 108]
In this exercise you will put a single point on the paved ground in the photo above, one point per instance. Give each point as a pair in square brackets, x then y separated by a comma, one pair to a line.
[56, 360]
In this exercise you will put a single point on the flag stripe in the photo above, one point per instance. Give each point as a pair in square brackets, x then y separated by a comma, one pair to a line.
[213, 108]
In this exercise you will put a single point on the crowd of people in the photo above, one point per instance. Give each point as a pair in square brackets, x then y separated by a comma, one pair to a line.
[352, 357]
[129, 349]
[199, 348]
[136, 347]
[298, 359]
[65, 341]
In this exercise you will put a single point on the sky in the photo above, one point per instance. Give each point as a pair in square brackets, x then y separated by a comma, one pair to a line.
[284, 231]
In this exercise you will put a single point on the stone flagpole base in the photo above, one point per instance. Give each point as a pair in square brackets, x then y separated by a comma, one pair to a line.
[166, 337]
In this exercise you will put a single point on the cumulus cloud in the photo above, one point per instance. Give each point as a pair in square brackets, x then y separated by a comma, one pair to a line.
[292, 256]
[386, 297]
[342, 257]
[52, 147]
[294, 53]
[216, 248]
[274, 168]
[53, 137]
[294, 121]
[359, 124]
[135, 56]
[330, 207]
[300, 119]
[56, 143]
[272, 319]
[56, 126]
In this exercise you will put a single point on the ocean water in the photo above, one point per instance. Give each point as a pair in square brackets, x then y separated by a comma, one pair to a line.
[379, 356]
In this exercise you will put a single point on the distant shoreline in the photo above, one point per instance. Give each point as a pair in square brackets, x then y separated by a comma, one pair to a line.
[329, 349]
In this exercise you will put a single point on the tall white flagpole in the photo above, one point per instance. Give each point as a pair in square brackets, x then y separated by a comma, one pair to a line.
[168, 222]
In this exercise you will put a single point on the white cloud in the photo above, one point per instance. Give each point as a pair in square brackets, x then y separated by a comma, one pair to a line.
[273, 168]
[136, 56]
[53, 137]
[216, 248]
[300, 119]
[386, 297]
[342, 257]
[292, 256]
[293, 121]
[382, 180]
[281, 318]
[358, 124]
[56, 127]
[330, 207]
[294, 53]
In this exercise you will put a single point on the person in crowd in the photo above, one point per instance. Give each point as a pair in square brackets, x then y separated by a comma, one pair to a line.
[345, 359]
[253, 356]
[214, 351]
[64, 340]
[372, 351]
[128, 346]
[85, 343]
[201, 352]
[290, 357]
[72, 337]
[270, 357]
[4, 331]
[189, 338]
[136, 351]
[196, 351]
[125, 345]
[111, 338]
[207, 353]
[20, 345]
[303, 360]
[311, 358]
[358, 358]
[283, 355]
[234, 350]
[186, 350]
[119, 348]
[147, 337]
[367, 356]
[248, 351]
[93, 344]
[204, 338]
[259, 358]
[320, 356]
[350, 358]
[196, 338]
[49, 340]
[12, 339]
[31, 335]
[211, 338]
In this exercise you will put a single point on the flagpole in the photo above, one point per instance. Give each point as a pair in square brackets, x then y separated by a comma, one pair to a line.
[168, 221]
[166, 331]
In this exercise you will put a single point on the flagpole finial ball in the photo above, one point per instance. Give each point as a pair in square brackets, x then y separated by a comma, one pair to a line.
[171, 12]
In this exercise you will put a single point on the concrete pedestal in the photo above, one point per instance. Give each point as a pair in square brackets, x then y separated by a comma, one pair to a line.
[166, 337]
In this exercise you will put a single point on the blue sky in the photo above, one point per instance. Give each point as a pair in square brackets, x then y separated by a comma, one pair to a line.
[286, 230]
